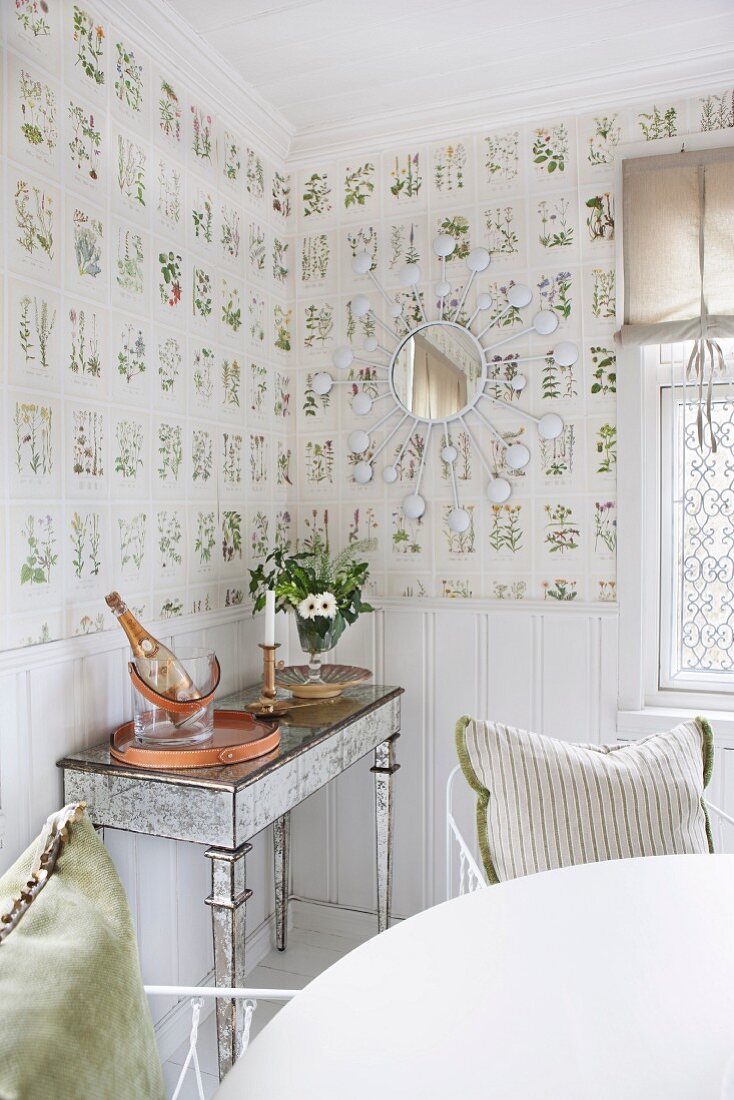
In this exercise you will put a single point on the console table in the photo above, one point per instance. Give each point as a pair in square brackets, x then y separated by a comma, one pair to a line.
[225, 807]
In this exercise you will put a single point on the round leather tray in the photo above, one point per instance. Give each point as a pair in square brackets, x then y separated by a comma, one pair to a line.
[237, 737]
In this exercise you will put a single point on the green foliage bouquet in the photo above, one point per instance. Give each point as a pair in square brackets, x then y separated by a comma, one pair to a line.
[324, 592]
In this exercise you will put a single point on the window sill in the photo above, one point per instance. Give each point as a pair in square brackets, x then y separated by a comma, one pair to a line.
[633, 724]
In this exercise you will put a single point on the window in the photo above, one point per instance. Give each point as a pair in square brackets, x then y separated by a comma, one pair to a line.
[694, 559]
[675, 564]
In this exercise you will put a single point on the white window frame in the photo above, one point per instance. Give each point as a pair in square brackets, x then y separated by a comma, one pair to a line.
[661, 523]
[639, 498]
[672, 391]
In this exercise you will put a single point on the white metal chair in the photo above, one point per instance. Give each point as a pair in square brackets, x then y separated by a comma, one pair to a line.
[198, 995]
[469, 875]
[463, 870]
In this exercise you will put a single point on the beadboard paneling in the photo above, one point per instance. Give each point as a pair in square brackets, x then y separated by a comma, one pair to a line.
[552, 671]
[534, 667]
[71, 695]
[530, 666]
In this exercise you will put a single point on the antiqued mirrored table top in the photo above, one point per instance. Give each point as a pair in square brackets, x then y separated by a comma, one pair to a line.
[300, 731]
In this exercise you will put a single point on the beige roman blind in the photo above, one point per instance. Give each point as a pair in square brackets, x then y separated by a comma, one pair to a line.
[679, 259]
[678, 247]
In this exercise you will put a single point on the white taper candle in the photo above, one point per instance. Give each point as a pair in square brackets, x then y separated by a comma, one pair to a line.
[269, 618]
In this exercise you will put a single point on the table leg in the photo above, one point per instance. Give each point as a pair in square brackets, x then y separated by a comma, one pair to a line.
[281, 853]
[384, 768]
[227, 901]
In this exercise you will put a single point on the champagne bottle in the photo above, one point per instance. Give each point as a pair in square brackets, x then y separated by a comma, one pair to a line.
[168, 677]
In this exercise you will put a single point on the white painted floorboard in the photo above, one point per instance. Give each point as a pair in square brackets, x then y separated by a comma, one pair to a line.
[309, 952]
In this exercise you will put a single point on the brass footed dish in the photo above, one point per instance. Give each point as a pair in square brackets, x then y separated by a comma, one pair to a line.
[334, 680]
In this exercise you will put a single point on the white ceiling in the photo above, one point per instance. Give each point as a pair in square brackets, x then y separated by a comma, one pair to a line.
[334, 66]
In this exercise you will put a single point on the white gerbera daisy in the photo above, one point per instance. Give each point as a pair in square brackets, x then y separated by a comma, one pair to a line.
[308, 608]
[326, 605]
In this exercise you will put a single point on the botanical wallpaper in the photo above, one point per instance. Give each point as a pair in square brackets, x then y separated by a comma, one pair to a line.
[169, 294]
[146, 400]
[540, 197]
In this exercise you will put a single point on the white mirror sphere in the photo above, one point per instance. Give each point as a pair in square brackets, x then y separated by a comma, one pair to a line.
[410, 275]
[545, 322]
[518, 383]
[449, 454]
[321, 383]
[484, 301]
[478, 259]
[565, 353]
[519, 296]
[358, 442]
[444, 244]
[442, 289]
[389, 475]
[360, 305]
[517, 456]
[499, 490]
[414, 506]
[363, 473]
[459, 520]
[343, 358]
[361, 263]
[550, 426]
[370, 343]
[361, 404]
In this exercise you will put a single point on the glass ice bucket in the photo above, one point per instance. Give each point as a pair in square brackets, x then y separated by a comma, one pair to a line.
[162, 720]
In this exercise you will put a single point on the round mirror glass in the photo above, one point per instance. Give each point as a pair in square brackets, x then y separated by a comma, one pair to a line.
[437, 371]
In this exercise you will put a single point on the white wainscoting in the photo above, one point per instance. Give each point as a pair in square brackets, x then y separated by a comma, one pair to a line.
[552, 669]
[548, 668]
[64, 696]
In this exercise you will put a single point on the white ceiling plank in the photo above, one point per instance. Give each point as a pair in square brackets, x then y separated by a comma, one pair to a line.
[340, 105]
[325, 20]
[447, 78]
[306, 27]
[359, 41]
[295, 65]
[234, 13]
[318, 21]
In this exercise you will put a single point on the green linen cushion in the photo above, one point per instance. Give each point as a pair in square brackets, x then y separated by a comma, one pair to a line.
[74, 1018]
[543, 803]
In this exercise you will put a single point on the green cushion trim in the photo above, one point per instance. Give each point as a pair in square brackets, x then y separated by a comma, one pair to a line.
[482, 798]
[708, 767]
[75, 1021]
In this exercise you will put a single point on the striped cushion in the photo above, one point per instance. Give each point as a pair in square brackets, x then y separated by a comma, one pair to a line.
[544, 803]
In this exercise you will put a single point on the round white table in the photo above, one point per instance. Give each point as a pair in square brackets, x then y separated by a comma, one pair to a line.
[611, 981]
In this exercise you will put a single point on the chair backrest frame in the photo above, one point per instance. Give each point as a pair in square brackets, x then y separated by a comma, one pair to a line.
[470, 875]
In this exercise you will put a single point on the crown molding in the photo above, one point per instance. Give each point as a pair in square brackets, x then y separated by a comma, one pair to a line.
[162, 32]
[702, 72]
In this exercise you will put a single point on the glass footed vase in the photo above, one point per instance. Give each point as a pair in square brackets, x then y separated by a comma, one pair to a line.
[315, 641]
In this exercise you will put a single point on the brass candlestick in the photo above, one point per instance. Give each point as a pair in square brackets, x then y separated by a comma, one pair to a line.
[269, 692]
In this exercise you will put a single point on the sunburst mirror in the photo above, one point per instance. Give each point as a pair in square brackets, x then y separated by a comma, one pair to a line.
[436, 374]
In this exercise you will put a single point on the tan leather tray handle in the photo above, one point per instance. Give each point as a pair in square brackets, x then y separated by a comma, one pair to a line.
[175, 706]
